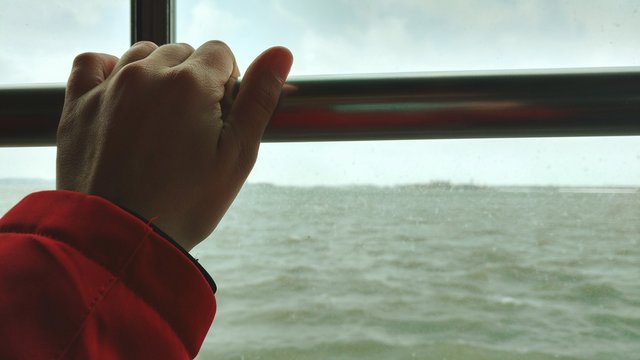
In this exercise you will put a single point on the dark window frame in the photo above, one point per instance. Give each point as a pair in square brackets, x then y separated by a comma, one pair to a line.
[566, 102]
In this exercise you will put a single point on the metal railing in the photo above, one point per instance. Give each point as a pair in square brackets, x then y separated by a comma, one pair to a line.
[416, 107]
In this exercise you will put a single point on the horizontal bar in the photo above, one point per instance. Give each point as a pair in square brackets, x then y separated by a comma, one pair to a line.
[495, 104]
[490, 104]
[29, 116]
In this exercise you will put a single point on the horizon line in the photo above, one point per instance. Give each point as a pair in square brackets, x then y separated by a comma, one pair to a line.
[432, 183]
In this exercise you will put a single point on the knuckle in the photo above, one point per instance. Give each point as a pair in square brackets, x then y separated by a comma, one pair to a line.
[132, 78]
[185, 77]
[216, 43]
[139, 50]
[185, 46]
[132, 72]
[85, 59]
[176, 47]
[220, 45]
[146, 45]
[177, 52]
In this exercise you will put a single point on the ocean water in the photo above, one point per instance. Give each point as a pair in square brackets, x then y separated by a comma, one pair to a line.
[423, 273]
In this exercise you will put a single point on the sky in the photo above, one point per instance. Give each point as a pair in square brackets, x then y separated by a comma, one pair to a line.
[352, 37]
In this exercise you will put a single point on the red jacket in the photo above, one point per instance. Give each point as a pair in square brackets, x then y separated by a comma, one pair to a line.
[80, 278]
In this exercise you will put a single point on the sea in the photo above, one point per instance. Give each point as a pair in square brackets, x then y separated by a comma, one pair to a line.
[425, 271]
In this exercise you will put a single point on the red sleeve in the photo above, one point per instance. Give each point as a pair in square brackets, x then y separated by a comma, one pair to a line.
[81, 278]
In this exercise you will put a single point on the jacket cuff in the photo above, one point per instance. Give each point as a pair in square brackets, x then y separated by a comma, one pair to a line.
[163, 274]
[163, 234]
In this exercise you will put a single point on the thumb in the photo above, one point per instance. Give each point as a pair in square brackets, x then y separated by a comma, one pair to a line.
[89, 70]
[258, 98]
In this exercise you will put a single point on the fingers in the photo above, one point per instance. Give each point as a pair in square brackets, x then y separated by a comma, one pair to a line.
[170, 55]
[257, 99]
[89, 70]
[217, 60]
[137, 51]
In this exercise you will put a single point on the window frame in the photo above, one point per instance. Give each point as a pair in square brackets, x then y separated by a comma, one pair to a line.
[500, 104]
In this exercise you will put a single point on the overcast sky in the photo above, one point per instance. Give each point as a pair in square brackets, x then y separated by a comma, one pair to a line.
[358, 36]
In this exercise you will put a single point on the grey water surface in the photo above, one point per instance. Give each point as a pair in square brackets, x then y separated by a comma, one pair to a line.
[422, 272]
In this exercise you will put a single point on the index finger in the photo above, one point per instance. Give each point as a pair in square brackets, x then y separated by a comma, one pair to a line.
[216, 60]
[88, 71]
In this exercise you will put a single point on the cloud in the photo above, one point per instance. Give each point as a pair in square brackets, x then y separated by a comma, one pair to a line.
[45, 36]
[380, 48]
[207, 20]
[84, 13]
[410, 35]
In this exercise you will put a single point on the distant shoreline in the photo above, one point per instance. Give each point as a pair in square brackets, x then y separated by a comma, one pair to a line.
[435, 185]
[447, 186]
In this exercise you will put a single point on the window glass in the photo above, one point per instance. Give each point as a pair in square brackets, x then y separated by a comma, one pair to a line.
[23, 171]
[459, 249]
[40, 38]
[351, 36]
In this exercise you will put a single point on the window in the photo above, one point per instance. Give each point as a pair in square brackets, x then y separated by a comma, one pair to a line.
[364, 249]
[479, 248]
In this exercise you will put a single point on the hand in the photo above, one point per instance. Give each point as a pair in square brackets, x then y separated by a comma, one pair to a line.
[154, 131]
